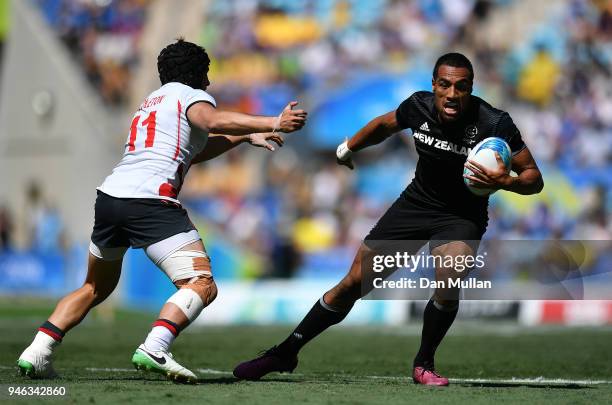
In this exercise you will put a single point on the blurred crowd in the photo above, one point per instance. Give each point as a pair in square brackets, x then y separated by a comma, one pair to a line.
[42, 223]
[299, 47]
[298, 208]
[555, 84]
[103, 36]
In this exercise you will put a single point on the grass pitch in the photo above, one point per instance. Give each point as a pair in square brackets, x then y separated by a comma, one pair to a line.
[344, 366]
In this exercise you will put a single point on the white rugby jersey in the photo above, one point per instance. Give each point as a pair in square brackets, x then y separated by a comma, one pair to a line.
[160, 146]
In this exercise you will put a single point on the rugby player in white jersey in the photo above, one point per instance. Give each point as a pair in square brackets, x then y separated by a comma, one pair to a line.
[137, 206]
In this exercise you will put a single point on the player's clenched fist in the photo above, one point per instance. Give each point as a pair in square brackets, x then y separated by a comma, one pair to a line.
[291, 120]
[343, 155]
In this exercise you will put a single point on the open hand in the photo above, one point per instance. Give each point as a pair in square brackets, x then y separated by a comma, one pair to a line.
[260, 140]
[291, 120]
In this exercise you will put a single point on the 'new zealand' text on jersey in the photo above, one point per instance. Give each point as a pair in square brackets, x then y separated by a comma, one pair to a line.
[160, 145]
[443, 149]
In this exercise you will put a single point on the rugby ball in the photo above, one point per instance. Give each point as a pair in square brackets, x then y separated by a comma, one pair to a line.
[484, 154]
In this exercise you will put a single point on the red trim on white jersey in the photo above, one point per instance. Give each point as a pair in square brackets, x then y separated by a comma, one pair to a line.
[178, 129]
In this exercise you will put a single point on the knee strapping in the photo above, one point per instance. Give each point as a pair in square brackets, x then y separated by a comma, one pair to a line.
[194, 295]
[189, 302]
[186, 264]
[190, 271]
[204, 286]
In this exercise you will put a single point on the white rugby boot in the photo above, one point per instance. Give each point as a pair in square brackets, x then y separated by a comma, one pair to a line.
[161, 362]
[36, 362]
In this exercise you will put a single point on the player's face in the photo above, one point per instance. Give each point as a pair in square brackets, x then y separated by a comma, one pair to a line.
[452, 88]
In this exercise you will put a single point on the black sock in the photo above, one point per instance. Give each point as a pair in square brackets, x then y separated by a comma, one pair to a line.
[52, 330]
[316, 321]
[436, 323]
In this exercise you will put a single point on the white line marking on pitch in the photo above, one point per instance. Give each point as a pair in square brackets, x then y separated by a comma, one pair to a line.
[513, 380]
[131, 370]
[537, 380]
[211, 371]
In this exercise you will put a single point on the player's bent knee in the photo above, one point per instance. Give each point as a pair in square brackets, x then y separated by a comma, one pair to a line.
[94, 294]
[204, 286]
[194, 295]
[190, 271]
[453, 248]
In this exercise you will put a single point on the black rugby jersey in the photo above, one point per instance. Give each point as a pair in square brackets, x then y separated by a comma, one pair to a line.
[443, 149]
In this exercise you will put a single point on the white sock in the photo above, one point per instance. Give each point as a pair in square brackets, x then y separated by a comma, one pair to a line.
[159, 339]
[44, 342]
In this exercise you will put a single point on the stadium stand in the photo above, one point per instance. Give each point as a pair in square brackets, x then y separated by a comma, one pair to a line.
[553, 84]
[103, 36]
[349, 60]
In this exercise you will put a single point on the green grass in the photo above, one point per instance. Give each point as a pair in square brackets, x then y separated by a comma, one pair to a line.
[343, 366]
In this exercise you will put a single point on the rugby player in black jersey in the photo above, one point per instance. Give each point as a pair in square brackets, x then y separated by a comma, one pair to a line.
[435, 207]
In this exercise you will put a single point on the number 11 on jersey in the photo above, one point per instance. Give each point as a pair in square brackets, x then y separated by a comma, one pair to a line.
[149, 122]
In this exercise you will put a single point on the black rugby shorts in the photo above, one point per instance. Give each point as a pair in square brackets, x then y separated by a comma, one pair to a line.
[409, 221]
[136, 222]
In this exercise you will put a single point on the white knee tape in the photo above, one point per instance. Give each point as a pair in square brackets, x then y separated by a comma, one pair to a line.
[189, 302]
[164, 248]
[186, 264]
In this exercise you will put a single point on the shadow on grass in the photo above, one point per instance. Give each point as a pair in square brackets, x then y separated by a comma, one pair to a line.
[200, 381]
[569, 386]
[218, 380]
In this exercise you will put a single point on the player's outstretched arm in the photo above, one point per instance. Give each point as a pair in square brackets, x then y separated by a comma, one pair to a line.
[373, 133]
[219, 144]
[528, 181]
[207, 117]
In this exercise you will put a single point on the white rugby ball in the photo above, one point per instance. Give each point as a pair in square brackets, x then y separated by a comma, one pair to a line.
[484, 154]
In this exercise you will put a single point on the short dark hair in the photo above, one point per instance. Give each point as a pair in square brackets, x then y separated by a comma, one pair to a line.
[183, 62]
[454, 59]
